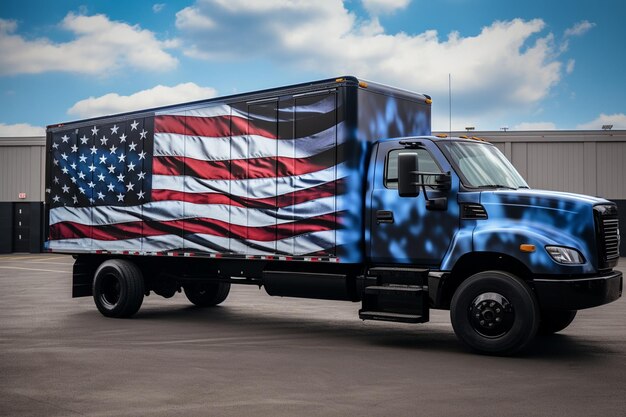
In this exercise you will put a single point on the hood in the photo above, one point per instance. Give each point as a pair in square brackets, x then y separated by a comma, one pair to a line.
[542, 199]
[553, 218]
[564, 213]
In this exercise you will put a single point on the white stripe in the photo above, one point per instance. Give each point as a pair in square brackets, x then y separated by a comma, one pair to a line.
[253, 187]
[198, 147]
[303, 244]
[177, 210]
[243, 147]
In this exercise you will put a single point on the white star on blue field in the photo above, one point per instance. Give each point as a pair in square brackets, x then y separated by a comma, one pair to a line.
[101, 165]
[529, 65]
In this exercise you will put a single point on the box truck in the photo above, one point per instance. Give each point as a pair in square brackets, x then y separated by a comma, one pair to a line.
[330, 190]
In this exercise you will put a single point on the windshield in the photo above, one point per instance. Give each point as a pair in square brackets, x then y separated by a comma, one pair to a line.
[482, 166]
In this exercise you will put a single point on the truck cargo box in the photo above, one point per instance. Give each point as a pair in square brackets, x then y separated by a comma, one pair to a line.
[275, 174]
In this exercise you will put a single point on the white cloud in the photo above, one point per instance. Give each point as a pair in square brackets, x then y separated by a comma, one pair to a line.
[7, 26]
[21, 129]
[98, 46]
[569, 68]
[508, 65]
[579, 28]
[384, 6]
[190, 19]
[535, 126]
[157, 7]
[618, 121]
[154, 97]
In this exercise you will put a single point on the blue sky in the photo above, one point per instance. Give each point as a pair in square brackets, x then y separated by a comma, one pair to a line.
[523, 65]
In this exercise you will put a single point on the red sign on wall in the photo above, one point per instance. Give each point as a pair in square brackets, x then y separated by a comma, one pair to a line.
[21, 195]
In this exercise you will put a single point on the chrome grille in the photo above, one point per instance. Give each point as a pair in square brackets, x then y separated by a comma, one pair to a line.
[610, 233]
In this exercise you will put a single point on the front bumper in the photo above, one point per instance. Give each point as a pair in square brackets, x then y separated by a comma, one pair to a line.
[578, 293]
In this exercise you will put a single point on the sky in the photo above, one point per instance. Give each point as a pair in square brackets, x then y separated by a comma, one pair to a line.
[528, 65]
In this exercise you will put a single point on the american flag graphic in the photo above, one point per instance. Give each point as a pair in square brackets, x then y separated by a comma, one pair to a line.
[242, 179]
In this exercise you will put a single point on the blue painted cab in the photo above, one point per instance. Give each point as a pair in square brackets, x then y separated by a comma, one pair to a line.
[487, 218]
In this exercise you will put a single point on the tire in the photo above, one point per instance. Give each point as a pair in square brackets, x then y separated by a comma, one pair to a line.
[207, 294]
[495, 312]
[118, 288]
[553, 321]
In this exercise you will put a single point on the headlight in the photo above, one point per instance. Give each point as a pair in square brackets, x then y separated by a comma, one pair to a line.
[565, 255]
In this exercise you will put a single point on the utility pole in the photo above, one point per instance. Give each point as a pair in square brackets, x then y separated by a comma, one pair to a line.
[450, 103]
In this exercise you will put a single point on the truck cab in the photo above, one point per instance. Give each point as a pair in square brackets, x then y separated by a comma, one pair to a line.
[504, 258]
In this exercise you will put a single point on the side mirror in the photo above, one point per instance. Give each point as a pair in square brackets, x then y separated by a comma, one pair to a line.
[408, 165]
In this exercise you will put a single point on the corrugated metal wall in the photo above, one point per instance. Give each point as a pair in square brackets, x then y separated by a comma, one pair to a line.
[22, 163]
[611, 168]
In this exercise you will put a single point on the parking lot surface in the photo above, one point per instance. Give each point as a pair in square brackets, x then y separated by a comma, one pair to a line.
[263, 356]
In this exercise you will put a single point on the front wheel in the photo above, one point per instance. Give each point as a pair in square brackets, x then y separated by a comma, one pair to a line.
[494, 312]
[207, 294]
[553, 321]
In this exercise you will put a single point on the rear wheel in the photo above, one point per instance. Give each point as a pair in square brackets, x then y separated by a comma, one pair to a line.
[494, 312]
[553, 321]
[207, 294]
[118, 288]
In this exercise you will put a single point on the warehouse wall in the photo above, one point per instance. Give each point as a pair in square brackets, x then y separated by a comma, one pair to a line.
[22, 163]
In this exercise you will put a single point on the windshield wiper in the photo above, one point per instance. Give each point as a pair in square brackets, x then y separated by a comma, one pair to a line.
[496, 186]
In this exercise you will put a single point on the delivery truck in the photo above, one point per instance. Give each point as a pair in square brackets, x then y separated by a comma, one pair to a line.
[333, 189]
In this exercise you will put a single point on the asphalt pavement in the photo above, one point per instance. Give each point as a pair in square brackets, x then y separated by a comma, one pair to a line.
[267, 356]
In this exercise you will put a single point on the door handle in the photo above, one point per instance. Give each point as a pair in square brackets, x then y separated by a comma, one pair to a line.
[384, 216]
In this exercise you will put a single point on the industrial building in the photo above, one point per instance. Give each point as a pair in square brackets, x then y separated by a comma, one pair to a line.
[587, 162]
[22, 179]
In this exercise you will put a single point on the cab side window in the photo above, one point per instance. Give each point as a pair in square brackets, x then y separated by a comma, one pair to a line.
[425, 160]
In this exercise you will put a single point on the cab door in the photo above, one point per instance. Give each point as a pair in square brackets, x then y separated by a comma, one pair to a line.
[404, 229]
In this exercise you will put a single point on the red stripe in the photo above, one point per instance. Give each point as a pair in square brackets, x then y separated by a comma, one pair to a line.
[179, 165]
[133, 230]
[269, 167]
[199, 198]
[218, 126]
[328, 189]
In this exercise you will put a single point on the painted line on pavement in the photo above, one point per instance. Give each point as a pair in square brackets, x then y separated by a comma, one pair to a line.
[33, 269]
[29, 257]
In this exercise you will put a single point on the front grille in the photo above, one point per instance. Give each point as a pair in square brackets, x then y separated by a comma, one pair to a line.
[611, 238]
[607, 234]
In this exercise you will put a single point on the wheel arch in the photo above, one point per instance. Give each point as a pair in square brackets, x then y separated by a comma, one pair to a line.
[475, 262]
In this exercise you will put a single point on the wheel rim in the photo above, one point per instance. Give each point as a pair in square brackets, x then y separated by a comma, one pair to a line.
[110, 290]
[491, 315]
